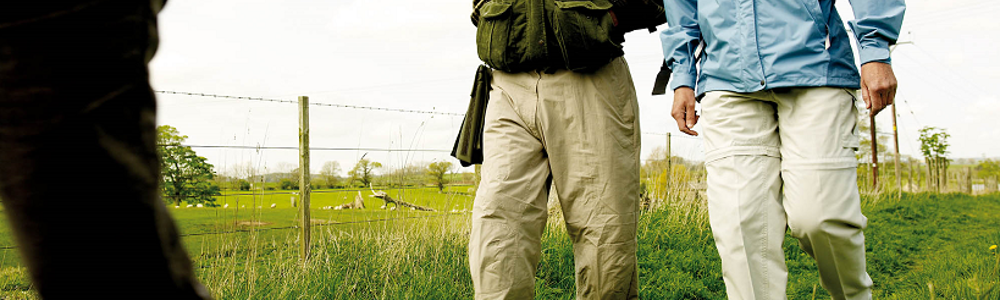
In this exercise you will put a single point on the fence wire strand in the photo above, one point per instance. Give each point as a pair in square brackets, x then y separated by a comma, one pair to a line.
[262, 99]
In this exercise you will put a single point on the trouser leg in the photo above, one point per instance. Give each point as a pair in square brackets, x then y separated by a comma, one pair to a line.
[509, 211]
[818, 139]
[590, 128]
[78, 162]
[745, 212]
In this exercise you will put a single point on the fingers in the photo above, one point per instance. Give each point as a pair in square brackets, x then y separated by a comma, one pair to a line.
[690, 117]
[878, 86]
[877, 103]
[864, 94]
[683, 110]
[682, 126]
[891, 98]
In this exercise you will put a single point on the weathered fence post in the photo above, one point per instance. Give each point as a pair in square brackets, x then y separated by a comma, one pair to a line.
[874, 154]
[968, 180]
[304, 178]
[909, 178]
[670, 167]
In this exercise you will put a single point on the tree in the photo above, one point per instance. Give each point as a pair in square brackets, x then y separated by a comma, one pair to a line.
[289, 171]
[363, 171]
[409, 175]
[437, 172]
[185, 175]
[243, 185]
[244, 172]
[934, 147]
[287, 184]
[330, 173]
[989, 169]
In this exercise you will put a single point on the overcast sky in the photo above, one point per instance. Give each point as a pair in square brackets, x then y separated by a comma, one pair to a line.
[421, 55]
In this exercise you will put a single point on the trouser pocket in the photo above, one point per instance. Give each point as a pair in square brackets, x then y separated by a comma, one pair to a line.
[582, 29]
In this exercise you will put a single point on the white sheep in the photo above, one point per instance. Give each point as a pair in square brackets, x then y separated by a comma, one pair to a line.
[199, 205]
[393, 208]
[273, 205]
[189, 206]
[225, 205]
[383, 206]
[243, 206]
[177, 206]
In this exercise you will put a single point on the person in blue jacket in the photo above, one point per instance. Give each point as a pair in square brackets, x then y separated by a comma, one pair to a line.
[777, 81]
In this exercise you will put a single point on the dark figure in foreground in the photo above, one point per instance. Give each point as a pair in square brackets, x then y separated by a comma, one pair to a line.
[78, 162]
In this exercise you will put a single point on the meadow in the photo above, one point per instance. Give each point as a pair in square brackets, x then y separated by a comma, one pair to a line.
[922, 246]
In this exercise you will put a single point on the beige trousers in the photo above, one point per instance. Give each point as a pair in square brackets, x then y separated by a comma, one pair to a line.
[579, 132]
[780, 157]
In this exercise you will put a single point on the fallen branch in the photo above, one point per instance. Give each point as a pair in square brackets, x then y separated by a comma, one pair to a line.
[385, 197]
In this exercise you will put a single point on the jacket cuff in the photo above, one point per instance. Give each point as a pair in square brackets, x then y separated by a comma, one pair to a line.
[874, 51]
[681, 78]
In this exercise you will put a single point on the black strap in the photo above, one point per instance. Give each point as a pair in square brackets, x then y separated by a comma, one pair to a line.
[662, 78]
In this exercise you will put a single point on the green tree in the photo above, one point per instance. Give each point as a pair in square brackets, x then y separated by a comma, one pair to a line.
[288, 184]
[934, 148]
[330, 173]
[437, 171]
[989, 169]
[363, 171]
[185, 175]
[243, 184]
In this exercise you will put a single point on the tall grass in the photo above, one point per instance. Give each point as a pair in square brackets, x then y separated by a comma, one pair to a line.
[914, 243]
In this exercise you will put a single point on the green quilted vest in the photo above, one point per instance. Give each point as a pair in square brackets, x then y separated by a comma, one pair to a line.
[523, 35]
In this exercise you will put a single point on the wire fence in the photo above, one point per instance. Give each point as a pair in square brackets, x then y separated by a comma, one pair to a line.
[680, 145]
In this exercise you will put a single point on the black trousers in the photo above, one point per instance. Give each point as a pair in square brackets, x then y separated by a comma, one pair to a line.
[79, 170]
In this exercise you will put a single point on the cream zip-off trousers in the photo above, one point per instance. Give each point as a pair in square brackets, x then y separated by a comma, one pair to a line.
[580, 133]
[777, 158]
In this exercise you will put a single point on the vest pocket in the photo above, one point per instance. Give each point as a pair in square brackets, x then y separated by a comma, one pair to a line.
[494, 33]
[582, 29]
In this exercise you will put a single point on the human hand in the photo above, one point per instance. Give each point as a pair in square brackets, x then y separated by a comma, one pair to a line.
[878, 86]
[683, 110]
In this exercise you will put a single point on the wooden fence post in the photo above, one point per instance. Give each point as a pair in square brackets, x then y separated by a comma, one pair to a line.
[304, 178]
[670, 166]
[968, 180]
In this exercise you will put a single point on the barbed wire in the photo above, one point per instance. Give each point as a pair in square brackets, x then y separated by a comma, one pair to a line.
[310, 148]
[339, 191]
[262, 99]
[10, 247]
[322, 224]
[684, 136]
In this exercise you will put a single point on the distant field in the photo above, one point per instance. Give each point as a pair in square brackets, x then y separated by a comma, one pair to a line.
[916, 244]
[243, 215]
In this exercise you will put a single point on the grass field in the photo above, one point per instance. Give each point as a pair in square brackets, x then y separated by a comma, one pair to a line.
[916, 244]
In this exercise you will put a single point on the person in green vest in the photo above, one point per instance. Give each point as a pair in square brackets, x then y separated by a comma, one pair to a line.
[561, 113]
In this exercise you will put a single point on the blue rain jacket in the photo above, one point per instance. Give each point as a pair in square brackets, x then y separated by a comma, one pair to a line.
[753, 45]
